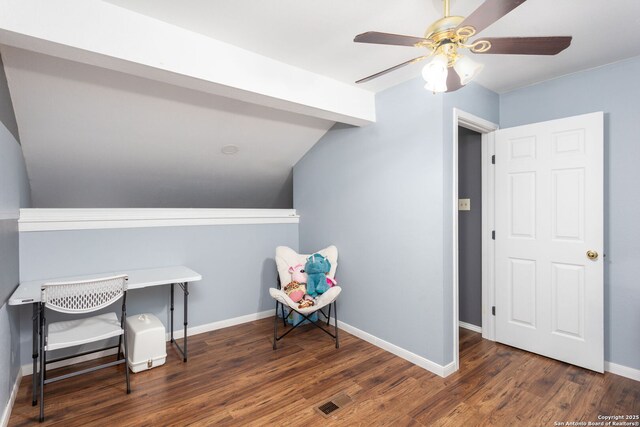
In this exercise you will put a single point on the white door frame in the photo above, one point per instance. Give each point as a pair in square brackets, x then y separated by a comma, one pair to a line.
[484, 127]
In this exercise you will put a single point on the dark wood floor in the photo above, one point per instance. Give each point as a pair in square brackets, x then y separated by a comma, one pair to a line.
[233, 377]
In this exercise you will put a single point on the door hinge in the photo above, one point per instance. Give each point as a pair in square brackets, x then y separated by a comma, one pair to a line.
[493, 159]
[493, 310]
[493, 234]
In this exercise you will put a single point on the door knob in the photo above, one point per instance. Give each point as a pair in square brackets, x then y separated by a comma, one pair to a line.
[592, 255]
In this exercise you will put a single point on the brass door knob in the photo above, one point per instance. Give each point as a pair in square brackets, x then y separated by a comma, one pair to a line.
[592, 255]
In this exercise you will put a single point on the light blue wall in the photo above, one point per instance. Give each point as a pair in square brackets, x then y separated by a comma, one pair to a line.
[376, 193]
[382, 194]
[14, 193]
[236, 262]
[610, 89]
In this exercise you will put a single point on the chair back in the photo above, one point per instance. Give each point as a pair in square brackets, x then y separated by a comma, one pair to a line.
[83, 296]
[287, 257]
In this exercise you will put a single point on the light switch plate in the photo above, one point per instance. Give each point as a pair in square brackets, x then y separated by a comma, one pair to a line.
[464, 204]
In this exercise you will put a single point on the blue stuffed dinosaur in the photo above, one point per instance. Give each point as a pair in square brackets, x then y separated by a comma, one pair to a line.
[317, 267]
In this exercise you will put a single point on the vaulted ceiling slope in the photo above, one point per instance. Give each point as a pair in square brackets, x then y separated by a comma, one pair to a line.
[93, 137]
[119, 109]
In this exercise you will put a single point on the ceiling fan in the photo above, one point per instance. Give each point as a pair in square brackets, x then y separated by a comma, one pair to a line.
[446, 37]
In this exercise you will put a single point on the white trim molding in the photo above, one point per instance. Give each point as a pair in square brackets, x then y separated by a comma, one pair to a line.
[470, 327]
[221, 324]
[6, 413]
[417, 360]
[623, 371]
[87, 219]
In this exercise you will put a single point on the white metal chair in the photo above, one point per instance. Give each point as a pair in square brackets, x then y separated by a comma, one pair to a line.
[286, 258]
[78, 298]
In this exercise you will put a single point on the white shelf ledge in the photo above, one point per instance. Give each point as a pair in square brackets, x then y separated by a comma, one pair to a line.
[87, 219]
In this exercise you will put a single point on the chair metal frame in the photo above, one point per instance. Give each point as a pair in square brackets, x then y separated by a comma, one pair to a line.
[43, 334]
[280, 305]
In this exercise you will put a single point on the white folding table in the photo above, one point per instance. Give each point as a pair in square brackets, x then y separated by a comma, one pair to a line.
[30, 293]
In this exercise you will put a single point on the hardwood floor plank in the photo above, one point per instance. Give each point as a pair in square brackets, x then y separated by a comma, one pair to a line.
[234, 378]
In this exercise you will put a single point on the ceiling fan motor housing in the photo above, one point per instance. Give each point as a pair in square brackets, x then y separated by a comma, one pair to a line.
[443, 28]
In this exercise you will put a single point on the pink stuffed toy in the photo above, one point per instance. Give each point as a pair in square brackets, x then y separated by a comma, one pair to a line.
[298, 274]
[331, 282]
[296, 289]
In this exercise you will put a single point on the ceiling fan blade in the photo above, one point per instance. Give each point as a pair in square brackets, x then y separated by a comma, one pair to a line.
[388, 70]
[391, 39]
[453, 81]
[489, 12]
[527, 45]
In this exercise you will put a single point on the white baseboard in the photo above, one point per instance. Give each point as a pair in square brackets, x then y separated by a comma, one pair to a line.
[448, 369]
[623, 371]
[470, 327]
[208, 327]
[195, 330]
[417, 360]
[6, 413]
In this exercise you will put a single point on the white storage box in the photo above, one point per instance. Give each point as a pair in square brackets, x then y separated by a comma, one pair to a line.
[146, 341]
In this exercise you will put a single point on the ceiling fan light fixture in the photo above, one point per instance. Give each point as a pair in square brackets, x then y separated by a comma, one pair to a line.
[435, 74]
[436, 86]
[467, 69]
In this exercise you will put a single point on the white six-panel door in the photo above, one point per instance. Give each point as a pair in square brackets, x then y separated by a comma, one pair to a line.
[548, 217]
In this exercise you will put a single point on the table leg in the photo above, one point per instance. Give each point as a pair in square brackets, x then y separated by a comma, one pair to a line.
[183, 349]
[34, 355]
[172, 285]
[42, 364]
[186, 298]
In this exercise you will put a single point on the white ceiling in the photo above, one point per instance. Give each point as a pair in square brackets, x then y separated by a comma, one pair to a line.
[317, 35]
[93, 137]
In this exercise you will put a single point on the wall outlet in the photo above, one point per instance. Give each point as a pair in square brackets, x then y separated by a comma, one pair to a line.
[464, 204]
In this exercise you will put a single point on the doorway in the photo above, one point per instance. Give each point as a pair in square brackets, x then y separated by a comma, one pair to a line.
[469, 229]
[484, 128]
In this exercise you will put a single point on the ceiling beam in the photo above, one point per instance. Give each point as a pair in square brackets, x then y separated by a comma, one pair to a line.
[98, 33]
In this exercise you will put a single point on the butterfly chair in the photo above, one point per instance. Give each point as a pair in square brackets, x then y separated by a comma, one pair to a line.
[286, 260]
[81, 297]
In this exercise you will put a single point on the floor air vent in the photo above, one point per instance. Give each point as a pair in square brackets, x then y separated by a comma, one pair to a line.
[337, 402]
[328, 407]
